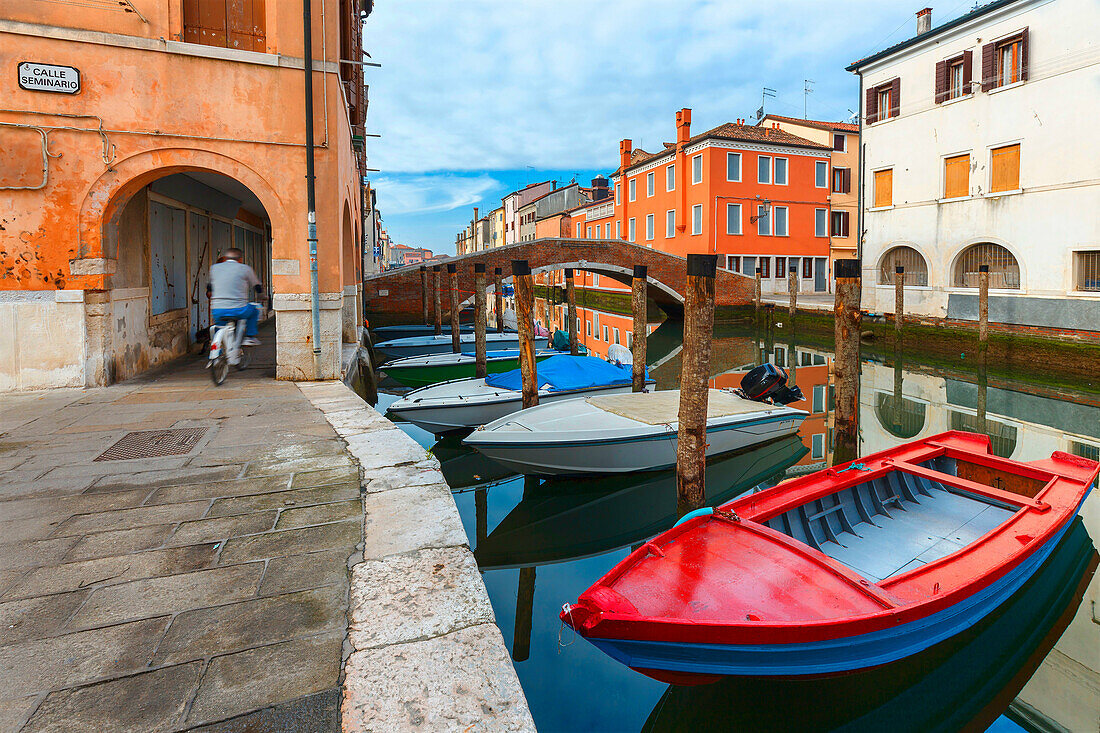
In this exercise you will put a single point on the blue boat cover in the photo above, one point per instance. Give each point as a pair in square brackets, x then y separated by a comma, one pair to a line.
[565, 373]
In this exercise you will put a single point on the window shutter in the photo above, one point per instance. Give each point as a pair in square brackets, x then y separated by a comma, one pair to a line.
[844, 224]
[968, 67]
[872, 106]
[989, 67]
[895, 97]
[941, 81]
[847, 181]
[1023, 54]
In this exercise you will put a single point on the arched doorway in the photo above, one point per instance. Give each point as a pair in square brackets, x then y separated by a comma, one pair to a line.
[350, 278]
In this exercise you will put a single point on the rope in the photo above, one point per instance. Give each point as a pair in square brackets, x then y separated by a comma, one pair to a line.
[854, 467]
[568, 610]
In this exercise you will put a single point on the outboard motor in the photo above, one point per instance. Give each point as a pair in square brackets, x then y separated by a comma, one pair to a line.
[769, 382]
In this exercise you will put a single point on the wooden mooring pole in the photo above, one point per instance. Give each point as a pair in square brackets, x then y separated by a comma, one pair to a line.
[899, 301]
[499, 284]
[479, 320]
[757, 293]
[691, 449]
[637, 345]
[571, 299]
[792, 288]
[424, 293]
[456, 332]
[438, 301]
[848, 319]
[983, 305]
[525, 606]
[525, 302]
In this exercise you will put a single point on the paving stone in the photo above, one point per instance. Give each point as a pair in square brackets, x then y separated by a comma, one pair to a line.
[154, 479]
[68, 505]
[292, 542]
[33, 554]
[319, 713]
[403, 520]
[115, 469]
[9, 577]
[269, 452]
[382, 448]
[306, 479]
[416, 596]
[207, 530]
[215, 489]
[34, 618]
[74, 659]
[283, 499]
[209, 631]
[265, 468]
[256, 678]
[128, 518]
[172, 594]
[300, 572]
[113, 570]
[400, 477]
[320, 514]
[14, 712]
[151, 702]
[356, 421]
[27, 530]
[461, 681]
[120, 542]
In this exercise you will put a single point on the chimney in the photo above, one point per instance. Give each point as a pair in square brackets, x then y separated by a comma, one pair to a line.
[475, 214]
[683, 125]
[599, 188]
[924, 21]
[625, 148]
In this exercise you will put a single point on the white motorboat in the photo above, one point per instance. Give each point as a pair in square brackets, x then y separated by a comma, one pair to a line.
[624, 432]
[463, 404]
[417, 345]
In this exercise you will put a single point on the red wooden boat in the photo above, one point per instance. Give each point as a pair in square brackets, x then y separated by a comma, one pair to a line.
[840, 570]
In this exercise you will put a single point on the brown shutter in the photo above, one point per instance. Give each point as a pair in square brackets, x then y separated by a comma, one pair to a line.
[1023, 54]
[844, 223]
[872, 106]
[895, 97]
[941, 81]
[989, 67]
[191, 31]
[847, 188]
[968, 67]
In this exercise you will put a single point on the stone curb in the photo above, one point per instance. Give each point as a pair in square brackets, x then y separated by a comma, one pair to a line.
[417, 588]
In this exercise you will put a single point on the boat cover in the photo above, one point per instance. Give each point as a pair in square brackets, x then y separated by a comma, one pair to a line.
[662, 408]
[566, 373]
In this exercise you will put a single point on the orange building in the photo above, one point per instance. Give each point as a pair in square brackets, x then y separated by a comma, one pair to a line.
[756, 196]
[138, 141]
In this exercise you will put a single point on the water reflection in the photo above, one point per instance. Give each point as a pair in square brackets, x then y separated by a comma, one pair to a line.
[540, 543]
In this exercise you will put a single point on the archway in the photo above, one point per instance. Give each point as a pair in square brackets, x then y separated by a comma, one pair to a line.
[1004, 268]
[350, 279]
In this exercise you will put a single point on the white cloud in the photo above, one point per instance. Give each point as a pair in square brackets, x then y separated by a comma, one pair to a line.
[425, 194]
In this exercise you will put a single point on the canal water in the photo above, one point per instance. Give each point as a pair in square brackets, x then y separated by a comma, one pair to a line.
[539, 543]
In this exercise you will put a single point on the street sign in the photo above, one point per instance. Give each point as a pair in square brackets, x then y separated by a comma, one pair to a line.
[37, 77]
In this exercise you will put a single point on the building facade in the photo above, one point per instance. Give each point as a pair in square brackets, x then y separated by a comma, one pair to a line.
[970, 160]
[140, 141]
[512, 204]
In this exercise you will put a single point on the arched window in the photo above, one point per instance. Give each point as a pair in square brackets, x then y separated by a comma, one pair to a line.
[1002, 437]
[916, 269]
[902, 417]
[1004, 271]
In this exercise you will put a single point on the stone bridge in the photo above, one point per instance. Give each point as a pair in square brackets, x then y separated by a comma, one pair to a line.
[396, 294]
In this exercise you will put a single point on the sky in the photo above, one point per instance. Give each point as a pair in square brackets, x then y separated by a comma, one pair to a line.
[476, 98]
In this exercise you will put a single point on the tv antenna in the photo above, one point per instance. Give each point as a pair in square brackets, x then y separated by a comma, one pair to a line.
[807, 90]
[767, 92]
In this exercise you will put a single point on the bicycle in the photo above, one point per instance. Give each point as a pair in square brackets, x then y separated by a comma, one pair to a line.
[227, 349]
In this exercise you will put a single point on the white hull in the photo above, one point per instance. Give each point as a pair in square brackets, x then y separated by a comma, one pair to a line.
[418, 346]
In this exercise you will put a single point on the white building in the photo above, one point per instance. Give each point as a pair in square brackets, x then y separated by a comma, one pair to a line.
[980, 148]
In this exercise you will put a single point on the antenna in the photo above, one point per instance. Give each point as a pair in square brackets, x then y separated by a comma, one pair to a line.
[807, 90]
[767, 92]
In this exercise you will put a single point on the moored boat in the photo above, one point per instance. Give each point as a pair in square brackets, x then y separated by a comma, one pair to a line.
[463, 404]
[390, 333]
[837, 571]
[420, 371]
[419, 345]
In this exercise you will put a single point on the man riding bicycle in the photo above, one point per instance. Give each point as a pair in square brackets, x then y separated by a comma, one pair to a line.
[231, 281]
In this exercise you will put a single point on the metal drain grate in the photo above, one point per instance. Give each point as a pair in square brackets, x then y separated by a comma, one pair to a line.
[153, 443]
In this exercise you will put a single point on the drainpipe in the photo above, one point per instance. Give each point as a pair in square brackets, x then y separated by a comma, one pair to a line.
[862, 177]
[311, 193]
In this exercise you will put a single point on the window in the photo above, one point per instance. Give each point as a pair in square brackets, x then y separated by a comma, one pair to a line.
[1004, 167]
[618, 230]
[807, 268]
[764, 169]
[916, 269]
[1005, 61]
[842, 180]
[781, 171]
[956, 176]
[780, 268]
[670, 223]
[733, 167]
[649, 227]
[820, 221]
[1086, 266]
[605, 333]
[839, 224]
[616, 335]
[630, 339]
[764, 267]
[953, 77]
[590, 232]
[607, 230]
[840, 142]
[670, 178]
[817, 450]
[818, 398]
[630, 230]
[618, 197]
[649, 184]
[697, 219]
[697, 169]
[237, 25]
[733, 264]
[1009, 62]
[749, 264]
[631, 188]
[883, 101]
[1004, 271]
[763, 222]
[821, 174]
[902, 417]
[733, 218]
[884, 188]
[578, 325]
[588, 328]
[780, 221]
[955, 80]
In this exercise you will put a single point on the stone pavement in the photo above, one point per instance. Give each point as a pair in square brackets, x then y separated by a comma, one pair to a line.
[208, 589]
